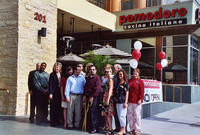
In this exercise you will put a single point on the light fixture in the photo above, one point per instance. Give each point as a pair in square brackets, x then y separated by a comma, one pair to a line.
[68, 45]
[42, 32]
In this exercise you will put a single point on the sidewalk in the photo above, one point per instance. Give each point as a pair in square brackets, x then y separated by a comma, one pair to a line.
[181, 121]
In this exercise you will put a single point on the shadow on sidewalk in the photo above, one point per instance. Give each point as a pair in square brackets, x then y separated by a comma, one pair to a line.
[155, 118]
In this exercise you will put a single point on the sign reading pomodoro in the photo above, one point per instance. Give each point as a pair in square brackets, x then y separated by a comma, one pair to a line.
[149, 16]
[161, 18]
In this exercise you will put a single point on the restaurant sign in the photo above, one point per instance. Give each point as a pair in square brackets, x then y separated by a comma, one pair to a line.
[157, 15]
[165, 16]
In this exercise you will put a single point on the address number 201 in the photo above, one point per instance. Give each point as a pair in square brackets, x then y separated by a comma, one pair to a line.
[40, 17]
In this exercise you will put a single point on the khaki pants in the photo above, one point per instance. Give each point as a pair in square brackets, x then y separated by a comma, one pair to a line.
[74, 106]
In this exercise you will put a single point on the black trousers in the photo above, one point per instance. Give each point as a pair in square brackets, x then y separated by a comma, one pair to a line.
[55, 110]
[93, 115]
[117, 124]
[33, 105]
[42, 106]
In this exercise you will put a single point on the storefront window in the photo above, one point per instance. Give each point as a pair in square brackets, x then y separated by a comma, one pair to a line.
[194, 55]
[176, 49]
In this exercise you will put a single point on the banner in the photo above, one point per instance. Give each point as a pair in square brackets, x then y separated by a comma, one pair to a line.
[152, 91]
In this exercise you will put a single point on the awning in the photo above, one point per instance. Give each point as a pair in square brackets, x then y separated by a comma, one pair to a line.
[88, 12]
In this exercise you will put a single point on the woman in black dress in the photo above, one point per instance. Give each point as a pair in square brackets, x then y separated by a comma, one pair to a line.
[55, 95]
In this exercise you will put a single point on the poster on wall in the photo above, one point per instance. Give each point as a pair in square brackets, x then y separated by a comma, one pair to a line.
[152, 91]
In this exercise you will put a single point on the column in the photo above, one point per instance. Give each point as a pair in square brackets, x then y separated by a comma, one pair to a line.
[113, 5]
[140, 4]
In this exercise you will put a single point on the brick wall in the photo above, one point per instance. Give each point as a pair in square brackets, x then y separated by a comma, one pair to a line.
[32, 49]
[8, 56]
[21, 49]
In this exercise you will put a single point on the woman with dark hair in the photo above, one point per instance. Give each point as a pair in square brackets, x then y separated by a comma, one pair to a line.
[69, 72]
[121, 99]
[55, 96]
[136, 96]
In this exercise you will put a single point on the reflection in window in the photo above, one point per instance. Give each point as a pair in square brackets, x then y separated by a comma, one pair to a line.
[176, 51]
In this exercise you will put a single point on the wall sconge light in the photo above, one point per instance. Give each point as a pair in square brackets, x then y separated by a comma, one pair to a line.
[42, 32]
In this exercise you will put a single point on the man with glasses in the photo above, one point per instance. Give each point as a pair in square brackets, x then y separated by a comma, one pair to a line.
[91, 94]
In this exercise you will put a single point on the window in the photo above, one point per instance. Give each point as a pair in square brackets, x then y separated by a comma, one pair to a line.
[127, 4]
[194, 55]
[176, 49]
[99, 3]
[151, 3]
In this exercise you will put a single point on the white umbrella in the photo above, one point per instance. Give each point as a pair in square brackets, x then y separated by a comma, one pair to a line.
[70, 57]
[109, 51]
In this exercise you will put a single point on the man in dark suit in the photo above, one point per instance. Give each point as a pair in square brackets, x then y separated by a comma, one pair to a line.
[32, 92]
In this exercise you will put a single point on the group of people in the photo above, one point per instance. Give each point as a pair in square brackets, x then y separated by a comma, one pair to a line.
[106, 97]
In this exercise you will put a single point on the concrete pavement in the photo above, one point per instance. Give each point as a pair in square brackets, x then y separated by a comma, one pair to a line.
[181, 121]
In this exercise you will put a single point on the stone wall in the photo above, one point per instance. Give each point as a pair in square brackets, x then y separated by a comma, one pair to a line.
[32, 49]
[8, 56]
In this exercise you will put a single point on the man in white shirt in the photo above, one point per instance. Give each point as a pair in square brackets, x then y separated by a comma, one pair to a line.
[73, 91]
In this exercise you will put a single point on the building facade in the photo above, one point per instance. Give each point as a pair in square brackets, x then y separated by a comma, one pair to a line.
[161, 25]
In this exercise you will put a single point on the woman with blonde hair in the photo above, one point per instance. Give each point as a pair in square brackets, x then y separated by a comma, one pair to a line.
[136, 96]
[55, 95]
[108, 108]
[87, 68]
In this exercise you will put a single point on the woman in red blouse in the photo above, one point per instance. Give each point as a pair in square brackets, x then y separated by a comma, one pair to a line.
[136, 96]
[69, 72]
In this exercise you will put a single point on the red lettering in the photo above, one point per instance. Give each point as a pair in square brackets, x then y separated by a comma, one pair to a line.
[129, 18]
[36, 16]
[140, 17]
[158, 14]
[149, 16]
[122, 19]
[182, 12]
[44, 19]
[40, 17]
[167, 14]
[174, 12]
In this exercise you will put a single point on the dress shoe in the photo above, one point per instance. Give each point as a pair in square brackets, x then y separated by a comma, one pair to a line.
[53, 125]
[69, 128]
[93, 131]
[31, 120]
